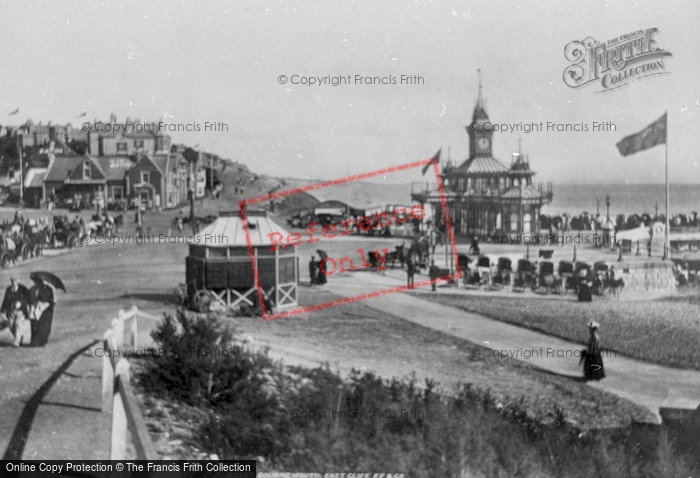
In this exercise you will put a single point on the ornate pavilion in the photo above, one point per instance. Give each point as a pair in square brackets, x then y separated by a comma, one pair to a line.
[484, 196]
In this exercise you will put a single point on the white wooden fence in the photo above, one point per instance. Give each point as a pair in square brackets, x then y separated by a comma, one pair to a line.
[117, 394]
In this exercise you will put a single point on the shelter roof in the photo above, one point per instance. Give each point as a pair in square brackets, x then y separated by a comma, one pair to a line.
[227, 230]
[482, 164]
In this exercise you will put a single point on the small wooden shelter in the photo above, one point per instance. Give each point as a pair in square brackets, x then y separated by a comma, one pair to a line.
[219, 264]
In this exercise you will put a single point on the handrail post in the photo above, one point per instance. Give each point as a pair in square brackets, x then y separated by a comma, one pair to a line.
[118, 326]
[134, 327]
[107, 373]
[119, 422]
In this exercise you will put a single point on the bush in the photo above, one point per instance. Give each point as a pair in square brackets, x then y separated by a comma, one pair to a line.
[419, 431]
[199, 363]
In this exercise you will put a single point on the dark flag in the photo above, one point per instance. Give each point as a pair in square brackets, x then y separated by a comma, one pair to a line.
[14, 112]
[649, 137]
[434, 159]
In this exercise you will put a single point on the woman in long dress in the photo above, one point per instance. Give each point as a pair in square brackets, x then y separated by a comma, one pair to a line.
[593, 368]
[42, 301]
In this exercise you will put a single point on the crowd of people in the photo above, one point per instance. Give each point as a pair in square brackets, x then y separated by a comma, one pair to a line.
[621, 222]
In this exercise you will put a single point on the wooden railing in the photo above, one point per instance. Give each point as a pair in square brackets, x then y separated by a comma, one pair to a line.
[117, 394]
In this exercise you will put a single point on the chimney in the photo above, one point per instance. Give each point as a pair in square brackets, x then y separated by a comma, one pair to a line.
[93, 143]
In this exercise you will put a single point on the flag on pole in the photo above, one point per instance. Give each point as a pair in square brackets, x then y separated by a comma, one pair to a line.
[649, 137]
[434, 159]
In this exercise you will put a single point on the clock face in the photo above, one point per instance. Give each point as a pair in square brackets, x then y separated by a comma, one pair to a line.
[483, 144]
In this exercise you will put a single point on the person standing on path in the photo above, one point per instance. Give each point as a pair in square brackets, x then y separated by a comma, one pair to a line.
[312, 271]
[321, 278]
[592, 359]
[15, 307]
[434, 273]
[410, 272]
[42, 300]
[15, 293]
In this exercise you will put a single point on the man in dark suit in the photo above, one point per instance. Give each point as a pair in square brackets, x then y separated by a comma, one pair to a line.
[434, 273]
[410, 271]
[15, 293]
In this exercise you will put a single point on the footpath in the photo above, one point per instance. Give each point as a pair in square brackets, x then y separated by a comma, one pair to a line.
[651, 386]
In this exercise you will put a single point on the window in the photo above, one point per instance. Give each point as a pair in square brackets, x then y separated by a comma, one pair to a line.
[118, 193]
[145, 177]
[513, 222]
[527, 222]
[138, 143]
[87, 170]
[121, 146]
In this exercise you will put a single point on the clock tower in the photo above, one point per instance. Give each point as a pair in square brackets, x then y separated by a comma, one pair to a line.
[480, 136]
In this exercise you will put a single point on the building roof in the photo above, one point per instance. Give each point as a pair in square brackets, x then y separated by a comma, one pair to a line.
[63, 167]
[482, 165]
[525, 192]
[115, 167]
[230, 228]
[163, 161]
[35, 177]
[157, 163]
[38, 156]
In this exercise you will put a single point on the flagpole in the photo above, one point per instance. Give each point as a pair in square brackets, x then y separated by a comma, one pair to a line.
[668, 220]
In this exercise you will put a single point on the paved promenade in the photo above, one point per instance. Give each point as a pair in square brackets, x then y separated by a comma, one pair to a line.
[648, 385]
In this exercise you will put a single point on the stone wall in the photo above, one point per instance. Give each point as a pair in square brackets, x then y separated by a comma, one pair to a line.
[646, 277]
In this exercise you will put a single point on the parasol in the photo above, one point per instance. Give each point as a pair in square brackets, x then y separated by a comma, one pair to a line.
[50, 278]
[322, 254]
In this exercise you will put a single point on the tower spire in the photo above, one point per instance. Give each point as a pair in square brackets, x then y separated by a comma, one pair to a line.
[479, 100]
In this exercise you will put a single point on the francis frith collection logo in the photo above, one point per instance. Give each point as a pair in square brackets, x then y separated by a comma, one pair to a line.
[615, 63]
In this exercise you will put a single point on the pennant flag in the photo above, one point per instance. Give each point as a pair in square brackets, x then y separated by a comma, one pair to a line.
[649, 137]
[434, 159]
[14, 112]
[84, 113]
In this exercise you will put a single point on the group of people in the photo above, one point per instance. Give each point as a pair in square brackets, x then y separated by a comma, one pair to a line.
[412, 268]
[316, 275]
[28, 313]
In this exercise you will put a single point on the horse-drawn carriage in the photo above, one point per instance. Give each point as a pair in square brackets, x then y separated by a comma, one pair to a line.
[565, 271]
[501, 276]
[11, 250]
[524, 276]
[546, 280]
[65, 232]
[600, 277]
[477, 273]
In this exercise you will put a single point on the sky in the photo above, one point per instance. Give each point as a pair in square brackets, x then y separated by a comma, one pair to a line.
[194, 62]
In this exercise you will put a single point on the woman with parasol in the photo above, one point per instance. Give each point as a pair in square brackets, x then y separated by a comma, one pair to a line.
[42, 301]
[591, 357]
[321, 273]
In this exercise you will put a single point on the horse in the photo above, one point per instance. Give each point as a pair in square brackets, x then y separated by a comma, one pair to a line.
[397, 254]
[615, 286]
[418, 252]
[118, 222]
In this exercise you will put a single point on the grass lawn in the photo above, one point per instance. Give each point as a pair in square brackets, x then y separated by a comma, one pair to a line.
[358, 335]
[664, 331]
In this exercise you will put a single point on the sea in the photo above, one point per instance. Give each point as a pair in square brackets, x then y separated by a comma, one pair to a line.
[572, 199]
[575, 199]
